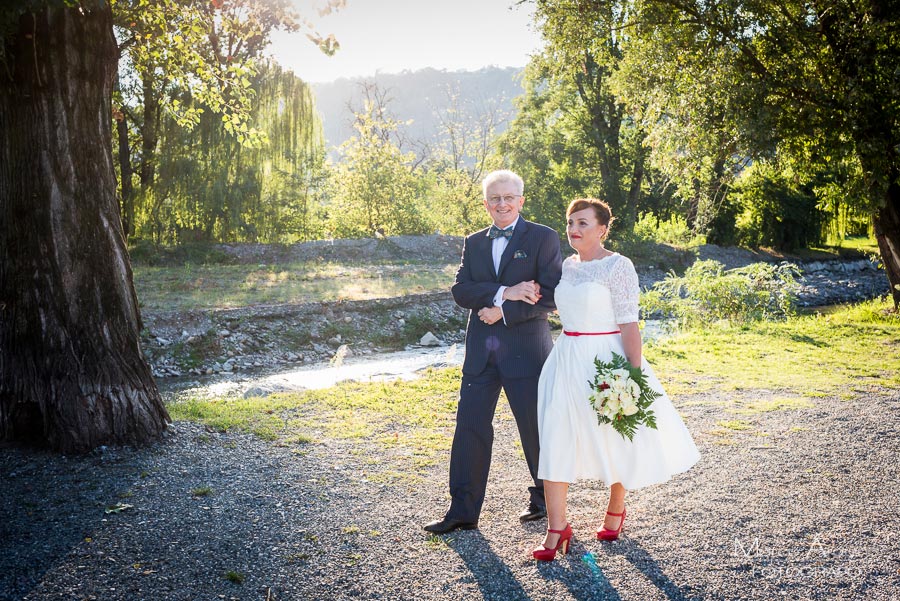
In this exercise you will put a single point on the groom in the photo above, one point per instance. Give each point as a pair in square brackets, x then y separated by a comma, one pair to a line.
[506, 280]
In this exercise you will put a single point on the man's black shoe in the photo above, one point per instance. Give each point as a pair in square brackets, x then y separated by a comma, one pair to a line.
[534, 512]
[449, 525]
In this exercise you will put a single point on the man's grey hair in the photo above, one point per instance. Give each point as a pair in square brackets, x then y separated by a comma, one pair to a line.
[503, 175]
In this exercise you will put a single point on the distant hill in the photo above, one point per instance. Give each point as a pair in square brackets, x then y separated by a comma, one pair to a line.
[418, 96]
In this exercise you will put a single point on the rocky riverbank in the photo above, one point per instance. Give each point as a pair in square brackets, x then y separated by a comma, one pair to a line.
[255, 338]
[261, 338]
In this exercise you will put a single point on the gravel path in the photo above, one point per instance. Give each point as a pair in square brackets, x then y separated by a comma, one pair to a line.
[801, 506]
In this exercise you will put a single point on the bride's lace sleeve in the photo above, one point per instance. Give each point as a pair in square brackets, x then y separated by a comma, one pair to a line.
[625, 290]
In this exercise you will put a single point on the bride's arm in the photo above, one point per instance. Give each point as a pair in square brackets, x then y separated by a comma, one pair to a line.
[625, 291]
[631, 341]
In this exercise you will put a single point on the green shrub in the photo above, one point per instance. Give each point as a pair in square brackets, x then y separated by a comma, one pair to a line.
[723, 229]
[775, 213]
[707, 293]
[674, 231]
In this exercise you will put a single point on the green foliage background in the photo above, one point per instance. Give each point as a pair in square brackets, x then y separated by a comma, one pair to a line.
[741, 122]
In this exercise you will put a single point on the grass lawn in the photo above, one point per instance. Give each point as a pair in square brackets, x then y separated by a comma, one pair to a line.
[853, 245]
[414, 419]
[214, 286]
[849, 352]
[846, 350]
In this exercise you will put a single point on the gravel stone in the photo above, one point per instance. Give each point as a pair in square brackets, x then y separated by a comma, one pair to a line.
[429, 339]
[807, 512]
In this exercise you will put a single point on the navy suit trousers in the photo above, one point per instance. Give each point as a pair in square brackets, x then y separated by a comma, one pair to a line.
[470, 457]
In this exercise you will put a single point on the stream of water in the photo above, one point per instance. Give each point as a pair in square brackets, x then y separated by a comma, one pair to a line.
[405, 364]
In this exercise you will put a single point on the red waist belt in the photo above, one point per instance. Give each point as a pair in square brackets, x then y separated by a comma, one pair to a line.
[567, 333]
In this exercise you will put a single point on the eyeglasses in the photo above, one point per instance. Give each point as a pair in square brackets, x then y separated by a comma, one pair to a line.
[508, 199]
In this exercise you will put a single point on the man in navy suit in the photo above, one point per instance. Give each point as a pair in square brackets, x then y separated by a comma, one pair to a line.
[506, 280]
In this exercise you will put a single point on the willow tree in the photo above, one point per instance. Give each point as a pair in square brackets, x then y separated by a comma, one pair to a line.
[291, 162]
[816, 82]
[209, 186]
[71, 368]
[209, 48]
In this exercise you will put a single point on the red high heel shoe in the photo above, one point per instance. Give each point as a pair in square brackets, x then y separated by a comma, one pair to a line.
[606, 533]
[542, 553]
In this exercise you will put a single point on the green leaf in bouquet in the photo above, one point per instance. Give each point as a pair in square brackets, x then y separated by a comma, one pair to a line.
[626, 425]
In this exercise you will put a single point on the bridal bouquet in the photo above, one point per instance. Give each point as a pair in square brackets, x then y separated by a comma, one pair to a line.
[622, 396]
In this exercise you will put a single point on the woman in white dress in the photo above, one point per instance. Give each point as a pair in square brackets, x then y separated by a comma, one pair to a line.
[597, 300]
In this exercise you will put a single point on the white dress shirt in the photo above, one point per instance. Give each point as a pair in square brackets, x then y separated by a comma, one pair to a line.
[499, 245]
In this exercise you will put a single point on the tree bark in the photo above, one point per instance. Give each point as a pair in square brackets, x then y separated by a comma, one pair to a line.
[887, 232]
[604, 130]
[72, 373]
[637, 178]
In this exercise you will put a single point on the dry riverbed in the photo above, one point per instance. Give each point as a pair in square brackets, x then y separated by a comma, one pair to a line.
[284, 335]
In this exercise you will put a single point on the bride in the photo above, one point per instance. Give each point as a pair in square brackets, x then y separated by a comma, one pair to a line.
[597, 300]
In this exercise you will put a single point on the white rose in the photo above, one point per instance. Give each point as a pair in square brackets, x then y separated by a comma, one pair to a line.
[629, 409]
[612, 406]
[634, 389]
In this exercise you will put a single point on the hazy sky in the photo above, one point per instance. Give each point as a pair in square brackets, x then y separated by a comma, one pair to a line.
[393, 35]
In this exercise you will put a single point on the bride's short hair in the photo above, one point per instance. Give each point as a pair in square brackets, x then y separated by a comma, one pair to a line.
[601, 210]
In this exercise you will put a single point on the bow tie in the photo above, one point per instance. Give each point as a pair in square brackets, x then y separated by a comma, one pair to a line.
[496, 232]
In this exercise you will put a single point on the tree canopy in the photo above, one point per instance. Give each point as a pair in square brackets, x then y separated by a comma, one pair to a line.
[649, 102]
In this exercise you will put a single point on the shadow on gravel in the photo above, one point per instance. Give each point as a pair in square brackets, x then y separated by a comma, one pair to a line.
[648, 566]
[584, 579]
[49, 505]
[495, 579]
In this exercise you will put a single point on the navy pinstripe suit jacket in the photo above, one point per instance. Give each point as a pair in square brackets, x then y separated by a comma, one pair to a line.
[523, 342]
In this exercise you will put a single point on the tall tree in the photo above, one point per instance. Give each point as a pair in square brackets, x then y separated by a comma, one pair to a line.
[374, 187]
[816, 81]
[71, 368]
[211, 187]
[571, 116]
[207, 48]
[690, 138]
[464, 151]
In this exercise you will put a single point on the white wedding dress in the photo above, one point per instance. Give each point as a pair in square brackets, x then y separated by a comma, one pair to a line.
[596, 296]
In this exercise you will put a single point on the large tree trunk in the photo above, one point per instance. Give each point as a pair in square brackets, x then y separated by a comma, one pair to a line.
[71, 369]
[861, 55]
[887, 232]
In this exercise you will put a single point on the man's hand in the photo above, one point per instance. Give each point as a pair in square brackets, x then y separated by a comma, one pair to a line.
[490, 315]
[529, 292]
